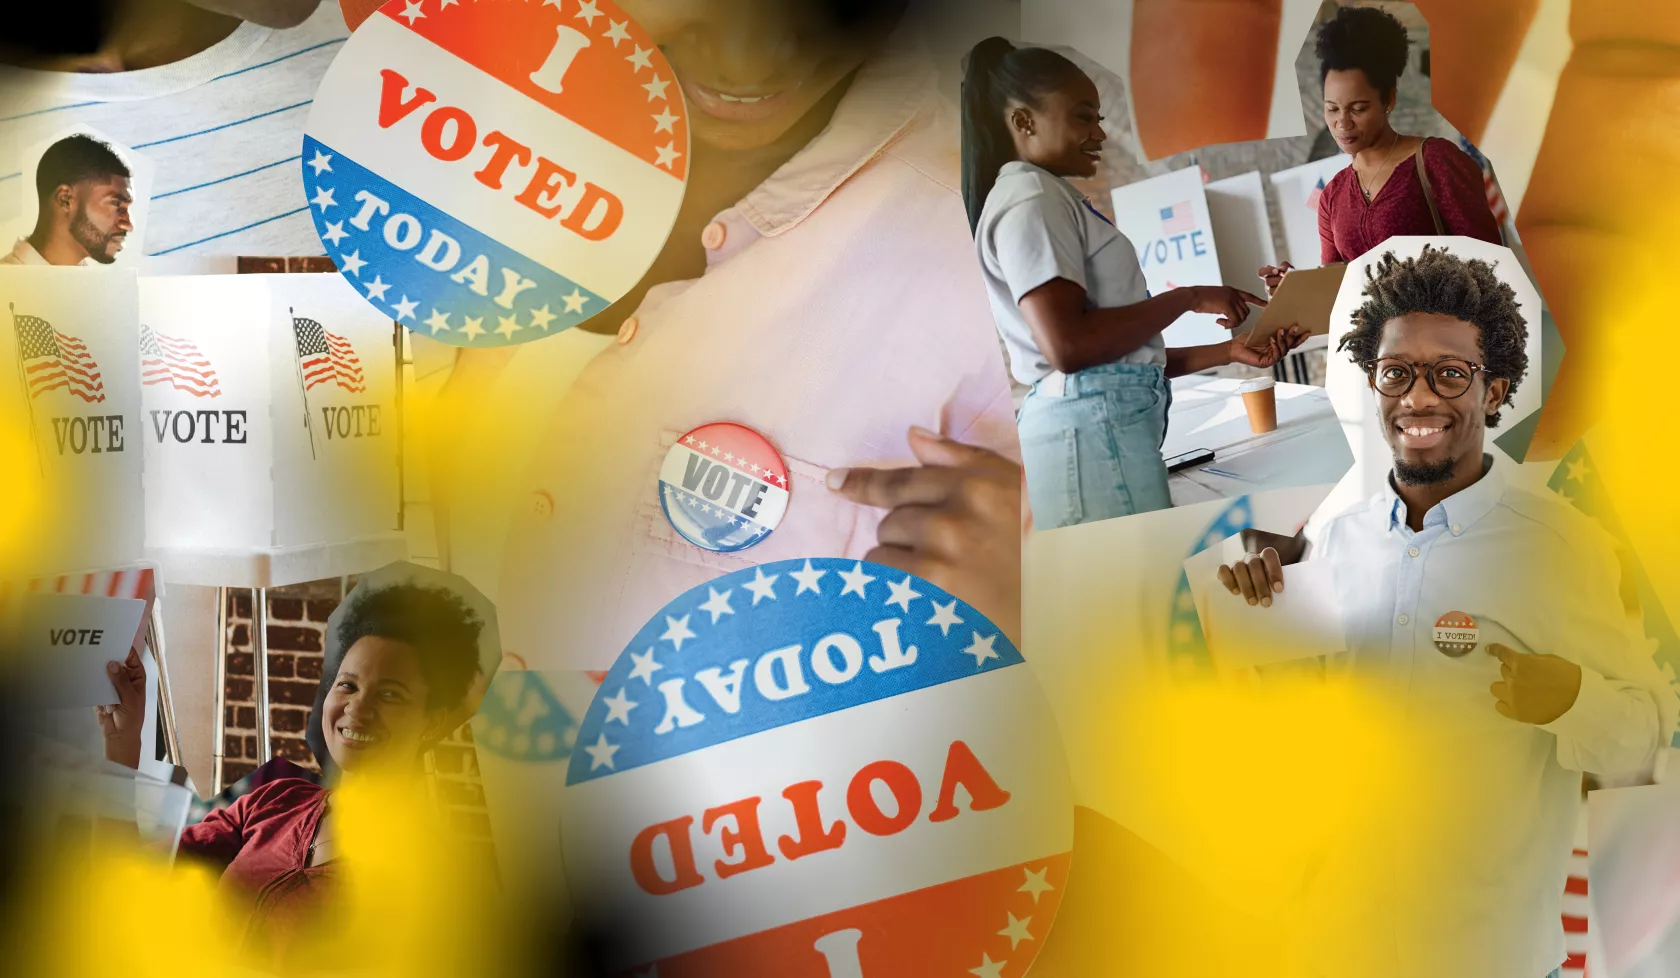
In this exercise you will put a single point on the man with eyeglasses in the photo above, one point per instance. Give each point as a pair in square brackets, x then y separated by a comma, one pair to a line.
[1489, 618]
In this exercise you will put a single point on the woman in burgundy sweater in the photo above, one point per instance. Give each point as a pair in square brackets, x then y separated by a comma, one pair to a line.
[1363, 52]
[411, 654]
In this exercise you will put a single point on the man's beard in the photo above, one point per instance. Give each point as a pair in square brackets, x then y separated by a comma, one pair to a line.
[92, 240]
[1424, 473]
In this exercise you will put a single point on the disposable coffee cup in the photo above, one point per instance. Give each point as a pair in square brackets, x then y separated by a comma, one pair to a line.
[1260, 401]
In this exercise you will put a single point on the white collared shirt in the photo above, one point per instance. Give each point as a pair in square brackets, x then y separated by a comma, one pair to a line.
[1485, 853]
[24, 253]
[841, 304]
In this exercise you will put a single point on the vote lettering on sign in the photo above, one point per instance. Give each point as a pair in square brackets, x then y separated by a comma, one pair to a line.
[494, 173]
[818, 768]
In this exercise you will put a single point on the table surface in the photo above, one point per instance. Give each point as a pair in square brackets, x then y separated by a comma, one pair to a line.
[1307, 448]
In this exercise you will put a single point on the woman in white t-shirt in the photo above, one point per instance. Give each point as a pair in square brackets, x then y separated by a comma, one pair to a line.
[1068, 294]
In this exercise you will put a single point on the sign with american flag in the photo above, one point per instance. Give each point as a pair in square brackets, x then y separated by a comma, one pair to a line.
[1167, 222]
[492, 173]
[326, 357]
[178, 363]
[56, 361]
[69, 382]
[1176, 218]
[798, 769]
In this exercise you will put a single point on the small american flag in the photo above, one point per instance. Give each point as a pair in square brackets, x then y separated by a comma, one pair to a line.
[53, 360]
[178, 363]
[1177, 219]
[1314, 195]
[327, 357]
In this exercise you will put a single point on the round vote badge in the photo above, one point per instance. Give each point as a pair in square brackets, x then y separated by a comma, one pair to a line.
[1456, 633]
[818, 769]
[723, 487]
[492, 172]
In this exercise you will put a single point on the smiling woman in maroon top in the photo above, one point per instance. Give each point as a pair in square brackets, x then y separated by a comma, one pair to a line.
[411, 654]
[1363, 52]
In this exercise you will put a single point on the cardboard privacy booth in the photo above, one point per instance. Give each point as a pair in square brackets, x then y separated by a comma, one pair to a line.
[1166, 219]
[1298, 189]
[70, 419]
[270, 431]
[1237, 208]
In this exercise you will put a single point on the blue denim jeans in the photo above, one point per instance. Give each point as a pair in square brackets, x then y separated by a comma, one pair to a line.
[1094, 453]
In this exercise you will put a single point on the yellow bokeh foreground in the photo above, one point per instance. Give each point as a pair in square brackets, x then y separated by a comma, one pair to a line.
[404, 901]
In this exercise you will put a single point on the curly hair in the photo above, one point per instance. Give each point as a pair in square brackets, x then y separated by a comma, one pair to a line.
[1437, 282]
[1367, 38]
[435, 622]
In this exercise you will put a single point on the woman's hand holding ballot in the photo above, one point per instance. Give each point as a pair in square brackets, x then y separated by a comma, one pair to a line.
[120, 724]
[1276, 348]
[1273, 275]
[954, 521]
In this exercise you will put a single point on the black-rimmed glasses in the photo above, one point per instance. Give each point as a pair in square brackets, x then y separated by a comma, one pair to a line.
[1448, 377]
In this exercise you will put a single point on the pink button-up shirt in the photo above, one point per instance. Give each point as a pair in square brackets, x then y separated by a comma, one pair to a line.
[841, 304]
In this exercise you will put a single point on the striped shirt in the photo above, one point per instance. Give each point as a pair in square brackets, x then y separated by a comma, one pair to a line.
[224, 129]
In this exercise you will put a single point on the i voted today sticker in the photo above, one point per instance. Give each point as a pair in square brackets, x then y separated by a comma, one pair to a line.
[723, 487]
[1456, 634]
[492, 172]
[821, 769]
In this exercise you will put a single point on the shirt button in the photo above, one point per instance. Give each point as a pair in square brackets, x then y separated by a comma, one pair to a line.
[542, 505]
[627, 330]
[1457, 528]
[1413, 551]
[1405, 618]
[714, 235]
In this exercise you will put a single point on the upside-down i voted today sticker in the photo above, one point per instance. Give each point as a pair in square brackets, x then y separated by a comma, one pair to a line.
[1456, 633]
[493, 172]
[723, 486]
[818, 768]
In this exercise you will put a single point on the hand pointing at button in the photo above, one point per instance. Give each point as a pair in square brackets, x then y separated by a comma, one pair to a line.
[955, 521]
[1534, 689]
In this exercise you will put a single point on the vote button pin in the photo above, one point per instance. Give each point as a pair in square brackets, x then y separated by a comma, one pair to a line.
[723, 487]
[1456, 633]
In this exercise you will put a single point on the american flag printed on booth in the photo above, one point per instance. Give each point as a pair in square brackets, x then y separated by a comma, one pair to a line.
[1178, 218]
[56, 361]
[178, 363]
[326, 356]
[1315, 195]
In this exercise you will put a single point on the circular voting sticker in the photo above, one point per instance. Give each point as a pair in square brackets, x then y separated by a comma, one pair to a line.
[723, 487]
[492, 172]
[1456, 634]
[818, 768]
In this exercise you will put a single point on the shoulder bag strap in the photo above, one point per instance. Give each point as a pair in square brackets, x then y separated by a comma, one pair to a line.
[1428, 191]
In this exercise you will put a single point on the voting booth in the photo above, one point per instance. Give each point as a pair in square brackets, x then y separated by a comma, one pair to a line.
[70, 400]
[271, 436]
[1298, 190]
[271, 430]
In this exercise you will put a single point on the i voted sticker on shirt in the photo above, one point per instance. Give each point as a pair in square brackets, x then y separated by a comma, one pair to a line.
[492, 172]
[723, 487]
[1456, 634]
[818, 768]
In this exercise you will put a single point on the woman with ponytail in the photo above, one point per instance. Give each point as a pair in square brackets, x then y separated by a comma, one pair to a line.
[1068, 294]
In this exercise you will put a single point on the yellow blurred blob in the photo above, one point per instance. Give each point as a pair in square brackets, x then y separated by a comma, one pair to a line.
[402, 897]
[22, 519]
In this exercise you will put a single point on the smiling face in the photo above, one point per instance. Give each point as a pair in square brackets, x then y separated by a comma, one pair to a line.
[751, 69]
[1434, 438]
[376, 713]
[1355, 111]
[1063, 133]
[99, 220]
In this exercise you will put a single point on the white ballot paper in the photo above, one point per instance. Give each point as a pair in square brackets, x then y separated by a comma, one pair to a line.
[67, 639]
[1302, 622]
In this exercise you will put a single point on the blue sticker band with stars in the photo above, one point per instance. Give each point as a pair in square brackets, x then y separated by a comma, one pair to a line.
[429, 271]
[774, 645]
